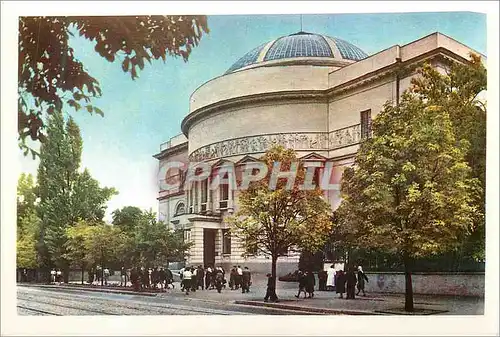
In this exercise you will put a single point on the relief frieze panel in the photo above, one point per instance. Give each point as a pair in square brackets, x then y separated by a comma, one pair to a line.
[305, 141]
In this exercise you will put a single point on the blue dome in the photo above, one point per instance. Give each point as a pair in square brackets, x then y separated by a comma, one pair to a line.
[301, 44]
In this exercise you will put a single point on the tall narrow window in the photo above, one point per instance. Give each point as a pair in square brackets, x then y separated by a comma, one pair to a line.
[226, 242]
[224, 194]
[204, 195]
[366, 124]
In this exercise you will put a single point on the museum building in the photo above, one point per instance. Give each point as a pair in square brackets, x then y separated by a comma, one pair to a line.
[313, 93]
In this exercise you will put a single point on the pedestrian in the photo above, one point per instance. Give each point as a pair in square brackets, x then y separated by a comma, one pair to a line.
[219, 280]
[186, 278]
[134, 279]
[322, 278]
[238, 277]
[162, 278]
[99, 274]
[271, 289]
[340, 283]
[208, 277]
[200, 277]
[246, 280]
[169, 279]
[361, 280]
[232, 278]
[53, 276]
[59, 276]
[106, 276]
[123, 277]
[330, 281]
[181, 276]
[194, 279]
[144, 278]
[301, 277]
[310, 283]
[351, 283]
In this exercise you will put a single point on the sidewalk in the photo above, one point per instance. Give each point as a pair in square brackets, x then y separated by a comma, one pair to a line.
[328, 302]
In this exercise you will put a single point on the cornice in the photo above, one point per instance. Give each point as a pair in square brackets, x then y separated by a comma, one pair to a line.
[171, 150]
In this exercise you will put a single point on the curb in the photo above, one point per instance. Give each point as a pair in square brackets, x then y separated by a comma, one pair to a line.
[109, 291]
[308, 309]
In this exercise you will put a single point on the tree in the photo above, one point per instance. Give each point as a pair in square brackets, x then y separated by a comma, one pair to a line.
[49, 75]
[458, 92]
[26, 195]
[410, 191]
[275, 221]
[77, 239]
[66, 195]
[156, 244]
[127, 218]
[27, 222]
[103, 244]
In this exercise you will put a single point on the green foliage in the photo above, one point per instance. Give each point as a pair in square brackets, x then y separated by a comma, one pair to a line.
[272, 222]
[50, 76]
[460, 92]
[155, 244]
[66, 195]
[412, 191]
[150, 243]
[127, 218]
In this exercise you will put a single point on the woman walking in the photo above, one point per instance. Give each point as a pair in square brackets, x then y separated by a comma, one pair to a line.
[361, 281]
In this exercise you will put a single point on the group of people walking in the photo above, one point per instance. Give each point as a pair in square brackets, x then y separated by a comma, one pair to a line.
[343, 282]
[152, 278]
[208, 278]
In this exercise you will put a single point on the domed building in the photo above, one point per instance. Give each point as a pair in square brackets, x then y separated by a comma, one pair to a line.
[313, 93]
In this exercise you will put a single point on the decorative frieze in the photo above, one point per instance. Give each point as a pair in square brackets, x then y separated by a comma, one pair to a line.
[303, 141]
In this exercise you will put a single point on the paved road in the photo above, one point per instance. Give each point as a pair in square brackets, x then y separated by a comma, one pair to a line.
[65, 302]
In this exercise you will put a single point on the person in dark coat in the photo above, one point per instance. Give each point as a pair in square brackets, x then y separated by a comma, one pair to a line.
[200, 276]
[310, 283]
[155, 278]
[322, 277]
[301, 277]
[361, 280]
[162, 278]
[351, 283]
[169, 278]
[219, 280]
[208, 277]
[271, 289]
[340, 283]
[232, 278]
[246, 280]
[134, 278]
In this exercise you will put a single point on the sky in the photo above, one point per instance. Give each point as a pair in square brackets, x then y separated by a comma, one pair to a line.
[141, 114]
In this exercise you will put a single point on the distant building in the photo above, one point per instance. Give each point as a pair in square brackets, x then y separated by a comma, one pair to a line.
[309, 92]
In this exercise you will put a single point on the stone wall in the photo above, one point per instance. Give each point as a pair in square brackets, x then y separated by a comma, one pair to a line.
[461, 284]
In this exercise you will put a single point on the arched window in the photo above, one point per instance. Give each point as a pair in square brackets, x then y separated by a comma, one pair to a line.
[180, 209]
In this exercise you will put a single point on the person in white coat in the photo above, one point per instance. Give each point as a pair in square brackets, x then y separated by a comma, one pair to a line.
[330, 280]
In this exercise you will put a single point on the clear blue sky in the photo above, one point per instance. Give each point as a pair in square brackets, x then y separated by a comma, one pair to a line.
[141, 114]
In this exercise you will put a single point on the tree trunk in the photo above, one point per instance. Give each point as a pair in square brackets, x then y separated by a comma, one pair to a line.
[274, 259]
[408, 284]
[83, 274]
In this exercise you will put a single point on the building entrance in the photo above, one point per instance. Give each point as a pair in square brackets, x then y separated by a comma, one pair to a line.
[209, 246]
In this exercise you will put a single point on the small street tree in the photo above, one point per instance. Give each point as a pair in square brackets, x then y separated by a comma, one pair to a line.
[77, 241]
[411, 191]
[155, 244]
[274, 221]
